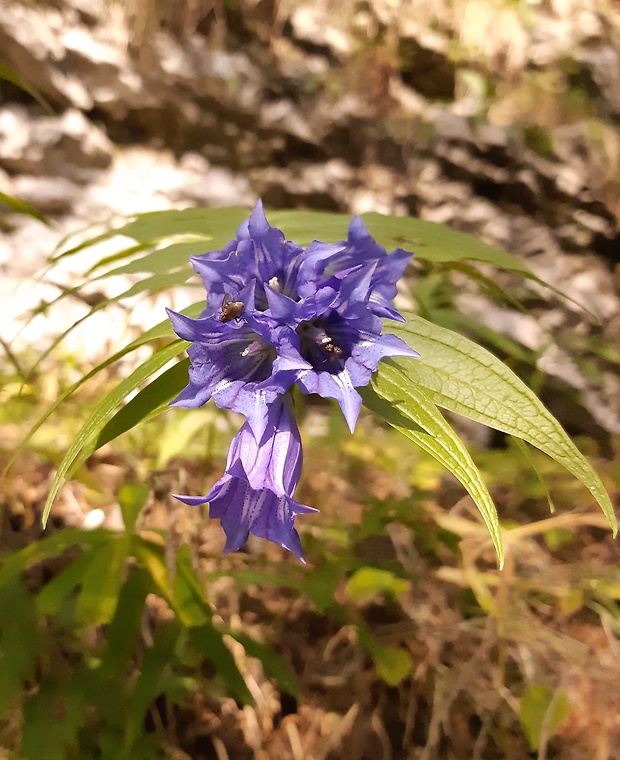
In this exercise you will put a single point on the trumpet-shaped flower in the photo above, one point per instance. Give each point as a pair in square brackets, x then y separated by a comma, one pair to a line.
[255, 495]
[338, 336]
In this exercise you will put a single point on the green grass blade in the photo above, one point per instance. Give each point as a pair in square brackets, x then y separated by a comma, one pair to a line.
[101, 582]
[155, 284]
[20, 206]
[8, 74]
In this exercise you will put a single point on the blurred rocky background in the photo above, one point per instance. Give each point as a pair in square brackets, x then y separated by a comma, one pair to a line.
[499, 119]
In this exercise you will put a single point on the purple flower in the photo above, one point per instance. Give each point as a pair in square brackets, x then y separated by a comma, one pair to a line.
[359, 250]
[255, 495]
[309, 317]
[262, 253]
[337, 335]
[235, 363]
[279, 315]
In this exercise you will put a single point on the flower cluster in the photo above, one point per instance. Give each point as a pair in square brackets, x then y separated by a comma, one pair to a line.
[279, 315]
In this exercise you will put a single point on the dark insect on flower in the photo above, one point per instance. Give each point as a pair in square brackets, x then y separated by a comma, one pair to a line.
[331, 349]
[231, 309]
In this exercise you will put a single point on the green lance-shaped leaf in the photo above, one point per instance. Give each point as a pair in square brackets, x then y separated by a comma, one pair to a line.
[148, 685]
[429, 240]
[16, 562]
[84, 443]
[10, 75]
[101, 582]
[20, 206]
[188, 599]
[54, 594]
[158, 393]
[393, 664]
[22, 642]
[210, 642]
[408, 408]
[152, 285]
[124, 628]
[161, 261]
[131, 499]
[465, 378]
[162, 330]
[216, 225]
[541, 712]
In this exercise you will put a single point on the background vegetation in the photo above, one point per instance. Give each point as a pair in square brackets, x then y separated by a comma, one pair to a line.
[124, 632]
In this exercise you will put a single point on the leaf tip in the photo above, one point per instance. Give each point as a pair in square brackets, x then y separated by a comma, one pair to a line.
[46, 512]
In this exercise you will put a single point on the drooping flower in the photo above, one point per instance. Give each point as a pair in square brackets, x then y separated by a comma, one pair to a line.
[255, 495]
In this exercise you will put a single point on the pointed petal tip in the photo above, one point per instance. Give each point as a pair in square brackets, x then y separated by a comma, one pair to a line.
[350, 403]
[357, 227]
[413, 354]
[258, 216]
[303, 509]
[191, 501]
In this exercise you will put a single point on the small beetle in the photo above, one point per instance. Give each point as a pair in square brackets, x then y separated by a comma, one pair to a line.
[231, 309]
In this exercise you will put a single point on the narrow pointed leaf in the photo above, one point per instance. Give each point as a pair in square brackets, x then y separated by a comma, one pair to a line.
[188, 600]
[124, 628]
[83, 445]
[131, 499]
[218, 224]
[148, 685]
[393, 665]
[161, 390]
[10, 75]
[163, 259]
[407, 407]
[46, 547]
[154, 284]
[101, 582]
[161, 330]
[53, 595]
[210, 642]
[429, 240]
[20, 206]
[465, 378]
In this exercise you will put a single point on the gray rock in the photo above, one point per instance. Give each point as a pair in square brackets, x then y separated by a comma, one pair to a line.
[68, 145]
